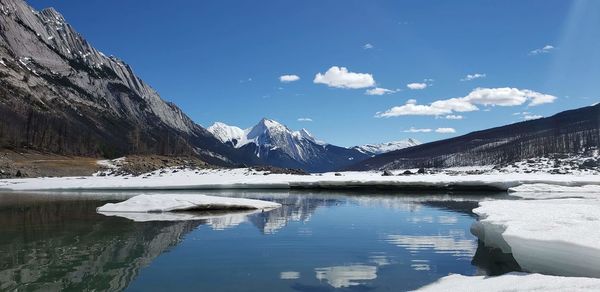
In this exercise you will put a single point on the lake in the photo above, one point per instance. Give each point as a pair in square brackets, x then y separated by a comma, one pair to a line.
[317, 241]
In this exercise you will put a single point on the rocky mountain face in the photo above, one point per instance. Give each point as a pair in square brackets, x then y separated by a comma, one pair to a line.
[566, 133]
[275, 144]
[376, 149]
[60, 94]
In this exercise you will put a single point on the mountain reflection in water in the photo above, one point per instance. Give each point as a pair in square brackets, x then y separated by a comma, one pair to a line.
[55, 243]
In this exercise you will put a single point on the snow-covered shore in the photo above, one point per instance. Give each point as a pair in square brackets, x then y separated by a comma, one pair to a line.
[557, 237]
[552, 230]
[175, 179]
[513, 282]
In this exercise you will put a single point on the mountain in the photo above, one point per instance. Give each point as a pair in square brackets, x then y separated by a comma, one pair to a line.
[60, 94]
[569, 132]
[275, 144]
[376, 149]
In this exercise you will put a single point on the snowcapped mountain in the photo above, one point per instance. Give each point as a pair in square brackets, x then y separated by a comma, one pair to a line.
[376, 149]
[275, 144]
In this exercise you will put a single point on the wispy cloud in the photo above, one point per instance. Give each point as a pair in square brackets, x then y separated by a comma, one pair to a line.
[289, 78]
[544, 50]
[481, 96]
[305, 120]
[415, 130]
[340, 77]
[470, 77]
[454, 117]
[445, 130]
[379, 91]
[428, 130]
[368, 46]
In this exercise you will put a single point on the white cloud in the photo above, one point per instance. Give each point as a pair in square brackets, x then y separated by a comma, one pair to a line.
[291, 275]
[481, 96]
[470, 77]
[546, 49]
[445, 130]
[532, 117]
[416, 86]
[411, 109]
[340, 77]
[379, 91]
[289, 78]
[368, 46]
[415, 130]
[427, 130]
[305, 120]
[454, 105]
[454, 117]
[539, 98]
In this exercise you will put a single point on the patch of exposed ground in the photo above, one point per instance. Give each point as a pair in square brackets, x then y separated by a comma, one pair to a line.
[35, 164]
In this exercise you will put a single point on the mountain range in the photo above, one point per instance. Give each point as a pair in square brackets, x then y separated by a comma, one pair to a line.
[59, 94]
[275, 144]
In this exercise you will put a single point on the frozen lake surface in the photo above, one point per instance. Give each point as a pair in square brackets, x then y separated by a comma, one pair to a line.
[316, 241]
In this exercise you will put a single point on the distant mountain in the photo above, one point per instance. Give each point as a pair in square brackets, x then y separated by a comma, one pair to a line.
[60, 94]
[569, 132]
[275, 144]
[376, 149]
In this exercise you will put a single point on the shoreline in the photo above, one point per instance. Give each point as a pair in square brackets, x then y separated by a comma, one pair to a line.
[236, 179]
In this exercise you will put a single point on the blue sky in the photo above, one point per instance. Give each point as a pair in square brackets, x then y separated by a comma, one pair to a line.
[221, 60]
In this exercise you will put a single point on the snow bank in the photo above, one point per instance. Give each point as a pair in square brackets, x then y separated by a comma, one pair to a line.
[513, 282]
[172, 203]
[175, 179]
[558, 237]
[548, 191]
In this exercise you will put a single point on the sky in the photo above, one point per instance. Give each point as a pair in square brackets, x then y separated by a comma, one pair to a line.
[354, 71]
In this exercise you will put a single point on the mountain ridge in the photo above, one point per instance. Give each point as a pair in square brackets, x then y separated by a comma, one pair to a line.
[567, 132]
[60, 94]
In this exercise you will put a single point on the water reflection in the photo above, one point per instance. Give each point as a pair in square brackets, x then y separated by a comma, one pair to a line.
[64, 245]
[346, 276]
[315, 241]
[454, 243]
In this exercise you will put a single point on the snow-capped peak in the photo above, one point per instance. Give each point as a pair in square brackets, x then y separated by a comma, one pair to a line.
[226, 133]
[264, 127]
[305, 134]
[376, 149]
[268, 134]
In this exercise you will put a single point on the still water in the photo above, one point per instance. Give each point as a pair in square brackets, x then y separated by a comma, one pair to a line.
[321, 241]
